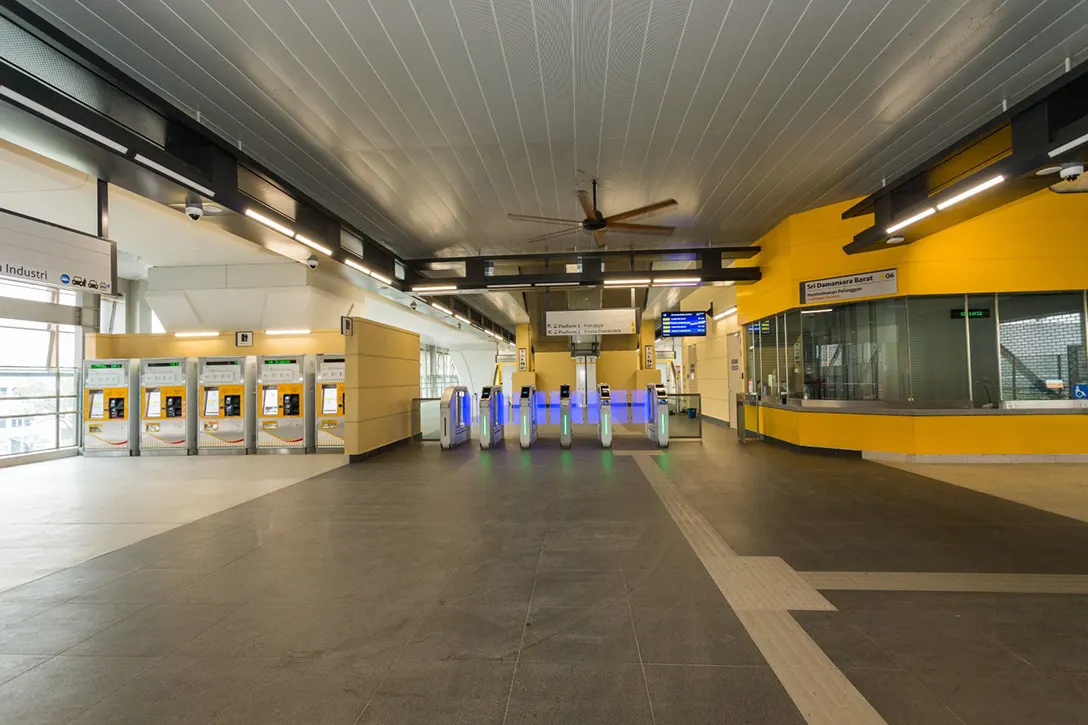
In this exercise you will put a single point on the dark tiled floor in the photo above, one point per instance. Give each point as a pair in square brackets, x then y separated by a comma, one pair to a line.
[548, 586]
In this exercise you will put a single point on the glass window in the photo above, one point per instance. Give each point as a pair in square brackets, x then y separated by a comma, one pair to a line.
[938, 350]
[1042, 345]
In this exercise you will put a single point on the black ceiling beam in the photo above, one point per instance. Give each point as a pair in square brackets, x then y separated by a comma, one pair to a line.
[1016, 145]
[657, 255]
[563, 281]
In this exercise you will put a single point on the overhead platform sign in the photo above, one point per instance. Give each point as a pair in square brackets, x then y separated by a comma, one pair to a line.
[590, 322]
[851, 287]
[33, 251]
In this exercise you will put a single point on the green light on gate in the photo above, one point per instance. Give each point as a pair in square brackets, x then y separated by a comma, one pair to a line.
[565, 424]
[485, 426]
[525, 426]
[662, 429]
[606, 422]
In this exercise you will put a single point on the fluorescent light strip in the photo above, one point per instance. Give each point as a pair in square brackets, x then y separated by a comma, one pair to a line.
[427, 289]
[62, 120]
[174, 175]
[196, 334]
[676, 284]
[464, 319]
[509, 286]
[971, 192]
[1068, 146]
[907, 222]
[726, 313]
[355, 265]
[313, 245]
[442, 309]
[287, 332]
[556, 284]
[678, 280]
[816, 312]
[627, 282]
[270, 223]
[381, 277]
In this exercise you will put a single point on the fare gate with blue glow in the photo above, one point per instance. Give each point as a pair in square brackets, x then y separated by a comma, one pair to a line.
[566, 430]
[604, 416]
[657, 415]
[527, 416]
[456, 416]
[492, 409]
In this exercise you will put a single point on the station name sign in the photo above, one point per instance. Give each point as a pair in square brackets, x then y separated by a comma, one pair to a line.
[590, 322]
[33, 251]
[851, 287]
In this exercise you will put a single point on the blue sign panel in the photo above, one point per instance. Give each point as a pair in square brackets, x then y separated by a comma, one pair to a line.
[683, 324]
[1080, 391]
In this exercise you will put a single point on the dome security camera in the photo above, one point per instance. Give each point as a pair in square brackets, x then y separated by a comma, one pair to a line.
[1072, 172]
[414, 306]
[194, 210]
[312, 262]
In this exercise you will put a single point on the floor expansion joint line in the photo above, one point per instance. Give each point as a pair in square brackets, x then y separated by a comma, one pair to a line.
[762, 590]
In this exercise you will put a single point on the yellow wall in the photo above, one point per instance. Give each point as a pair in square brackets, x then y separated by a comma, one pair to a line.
[554, 369]
[105, 347]
[382, 379]
[926, 435]
[617, 369]
[710, 353]
[1038, 243]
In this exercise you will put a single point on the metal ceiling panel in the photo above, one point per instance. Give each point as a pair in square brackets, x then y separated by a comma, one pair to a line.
[424, 122]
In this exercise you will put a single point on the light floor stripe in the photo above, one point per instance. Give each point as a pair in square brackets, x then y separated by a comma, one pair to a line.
[948, 582]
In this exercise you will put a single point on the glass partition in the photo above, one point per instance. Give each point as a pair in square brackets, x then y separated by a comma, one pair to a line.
[1042, 346]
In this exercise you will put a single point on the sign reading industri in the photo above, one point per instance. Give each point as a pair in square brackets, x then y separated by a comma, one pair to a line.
[590, 322]
[850, 287]
[33, 251]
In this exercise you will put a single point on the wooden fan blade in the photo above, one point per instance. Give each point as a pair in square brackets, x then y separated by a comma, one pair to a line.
[648, 209]
[552, 235]
[601, 237]
[587, 204]
[640, 228]
[542, 219]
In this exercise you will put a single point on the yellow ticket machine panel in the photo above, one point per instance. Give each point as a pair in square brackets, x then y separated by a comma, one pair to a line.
[166, 421]
[284, 412]
[224, 416]
[329, 403]
[109, 422]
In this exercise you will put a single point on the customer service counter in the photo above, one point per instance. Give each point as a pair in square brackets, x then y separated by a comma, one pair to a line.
[1058, 433]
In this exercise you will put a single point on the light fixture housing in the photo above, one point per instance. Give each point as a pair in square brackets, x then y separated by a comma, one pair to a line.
[628, 282]
[817, 312]
[463, 319]
[313, 245]
[988, 184]
[556, 284]
[441, 308]
[509, 286]
[355, 265]
[434, 288]
[1079, 141]
[62, 120]
[677, 280]
[270, 223]
[726, 313]
[196, 334]
[170, 173]
[287, 332]
[911, 220]
[381, 277]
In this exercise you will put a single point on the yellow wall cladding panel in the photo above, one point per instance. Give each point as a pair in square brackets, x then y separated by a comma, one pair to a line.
[366, 371]
[617, 368]
[554, 369]
[372, 434]
[523, 379]
[369, 403]
[105, 347]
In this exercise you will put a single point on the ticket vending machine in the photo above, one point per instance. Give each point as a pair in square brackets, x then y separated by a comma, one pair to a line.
[657, 414]
[284, 410]
[329, 401]
[167, 391]
[110, 425]
[566, 431]
[604, 417]
[226, 414]
[456, 416]
[492, 410]
[527, 414]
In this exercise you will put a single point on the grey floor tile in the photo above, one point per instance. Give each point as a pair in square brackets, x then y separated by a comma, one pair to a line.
[900, 698]
[408, 585]
[587, 559]
[64, 585]
[712, 695]
[15, 665]
[492, 585]
[155, 631]
[233, 584]
[451, 693]
[258, 630]
[694, 634]
[594, 634]
[311, 586]
[15, 612]
[327, 689]
[61, 689]
[665, 587]
[61, 627]
[1010, 698]
[578, 588]
[845, 643]
[144, 586]
[178, 691]
[563, 694]
[468, 633]
[368, 632]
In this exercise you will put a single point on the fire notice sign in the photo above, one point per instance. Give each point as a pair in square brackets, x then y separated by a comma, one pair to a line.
[851, 287]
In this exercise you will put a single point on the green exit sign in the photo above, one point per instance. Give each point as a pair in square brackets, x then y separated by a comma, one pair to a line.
[960, 314]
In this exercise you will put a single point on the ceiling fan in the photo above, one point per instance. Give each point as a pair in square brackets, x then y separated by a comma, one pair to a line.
[597, 223]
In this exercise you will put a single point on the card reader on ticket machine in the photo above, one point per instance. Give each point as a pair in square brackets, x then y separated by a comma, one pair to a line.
[167, 423]
[284, 410]
[110, 426]
[492, 409]
[527, 416]
[604, 417]
[657, 415]
[566, 432]
[456, 416]
[226, 414]
[329, 401]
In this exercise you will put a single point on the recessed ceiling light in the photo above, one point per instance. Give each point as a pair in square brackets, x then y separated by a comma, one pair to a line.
[170, 173]
[441, 308]
[270, 223]
[313, 245]
[287, 332]
[627, 282]
[1048, 170]
[381, 277]
[726, 313]
[432, 288]
[196, 334]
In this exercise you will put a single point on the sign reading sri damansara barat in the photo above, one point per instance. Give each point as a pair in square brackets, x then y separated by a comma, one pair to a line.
[33, 251]
[620, 321]
[850, 287]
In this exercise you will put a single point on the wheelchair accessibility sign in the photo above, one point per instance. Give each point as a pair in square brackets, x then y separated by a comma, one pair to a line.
[1080, 391]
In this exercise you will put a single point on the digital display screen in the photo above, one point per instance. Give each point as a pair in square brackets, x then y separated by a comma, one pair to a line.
[210, 363]
[153, 409]
[271, 403]
[525, 393]
[174, 364]
[97, 404]
[328, 400]
[973, 314]
[683, 324]
[106, 366]
[291, 361]
[211, 402]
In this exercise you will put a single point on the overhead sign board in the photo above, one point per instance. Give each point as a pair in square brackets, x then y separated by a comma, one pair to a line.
[851, 287]
[590, 322]
[33, 251]
[683, 324]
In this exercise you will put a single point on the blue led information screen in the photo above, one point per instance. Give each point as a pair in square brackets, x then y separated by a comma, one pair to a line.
[683, 324]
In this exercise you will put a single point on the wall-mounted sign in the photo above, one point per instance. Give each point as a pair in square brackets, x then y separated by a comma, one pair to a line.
[33, 251]
[683, 324]
[506, 357]
[850, 287]
[972, 314]
[1080, 391]
[649, 357]
[734, 365]
[666, 354]
[347, 326]
[523, 358]
[619, 321]
[243, 339]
